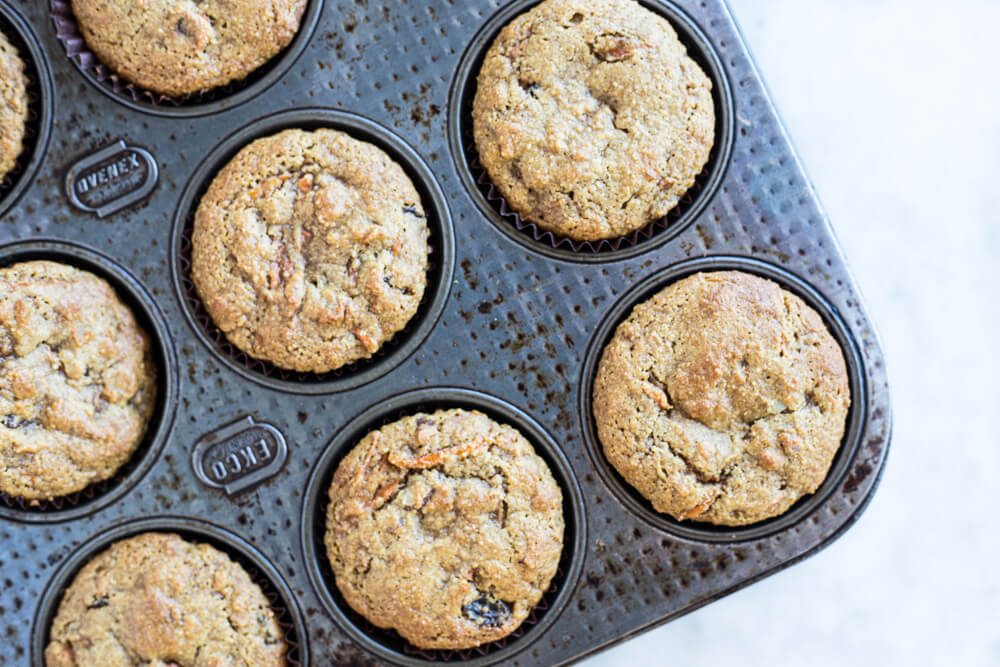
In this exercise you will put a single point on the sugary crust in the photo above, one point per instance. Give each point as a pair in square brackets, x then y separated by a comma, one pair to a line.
[310, 250]
[13, 106]
[180, 47]
[157, 599]
[722, 399]
[447, 528]
[77, 380]
[590, 117]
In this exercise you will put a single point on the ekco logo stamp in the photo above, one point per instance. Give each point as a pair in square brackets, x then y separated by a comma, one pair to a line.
[111, 179]
[239, 456]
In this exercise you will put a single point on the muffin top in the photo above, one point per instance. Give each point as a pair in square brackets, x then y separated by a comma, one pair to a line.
[157, 599]
[310, 250]
[722, 399]
[180, 47]
[77, 381]
[13, 106]
[447, 528]
[590, 117]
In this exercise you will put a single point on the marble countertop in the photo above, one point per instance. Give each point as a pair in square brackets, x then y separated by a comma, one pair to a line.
[893, 105]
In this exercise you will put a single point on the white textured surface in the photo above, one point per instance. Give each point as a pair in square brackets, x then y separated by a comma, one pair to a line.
[893, 105]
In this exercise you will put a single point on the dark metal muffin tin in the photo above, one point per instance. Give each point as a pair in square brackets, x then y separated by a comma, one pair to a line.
[512, 324]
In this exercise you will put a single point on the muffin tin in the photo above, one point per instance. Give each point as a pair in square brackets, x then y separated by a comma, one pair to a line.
[512, 324]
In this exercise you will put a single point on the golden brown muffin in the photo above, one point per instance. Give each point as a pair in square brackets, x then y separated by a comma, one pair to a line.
[77, 381]
[590, 117]
[310, 250]
[180, 47]
[447, 528]
[156, 599]
[722, 399]
[13, 106]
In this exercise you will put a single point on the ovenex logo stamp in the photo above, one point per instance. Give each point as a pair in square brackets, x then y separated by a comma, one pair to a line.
[111, 179]
[239, 456]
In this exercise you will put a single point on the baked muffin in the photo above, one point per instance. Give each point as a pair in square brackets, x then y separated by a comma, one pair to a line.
[310, 250]
[590, 118]
[13, 106]
[181, 47]
[722, 399]
[447, 528]
[77, 380]
[156, 599]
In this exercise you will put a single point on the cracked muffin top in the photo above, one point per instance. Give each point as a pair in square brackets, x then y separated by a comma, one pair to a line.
[590, 117]
[13, 106]
[181, 47]
[157, 599]
[310, 250]
[722, 399]
[77, 381]
[447, 528]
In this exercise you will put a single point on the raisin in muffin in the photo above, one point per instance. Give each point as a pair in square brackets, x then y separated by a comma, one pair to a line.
[447, 528]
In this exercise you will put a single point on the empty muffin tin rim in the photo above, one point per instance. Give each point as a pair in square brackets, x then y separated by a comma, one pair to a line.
[854, 431]
[692, 35]
[39, 59]
[219, 537]
[275, 69]
[443, 397]
[129, 288]
[439, 219]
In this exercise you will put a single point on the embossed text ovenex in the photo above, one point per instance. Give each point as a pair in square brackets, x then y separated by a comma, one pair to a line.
[239, 455]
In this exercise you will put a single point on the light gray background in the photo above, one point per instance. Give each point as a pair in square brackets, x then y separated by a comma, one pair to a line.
[893, 107]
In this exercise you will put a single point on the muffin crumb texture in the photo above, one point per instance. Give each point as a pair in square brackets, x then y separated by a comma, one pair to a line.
[590, 117]
[445, 527]
[723, 399]
[310, 250]
[13, 106]
[77, 382]
[157, 599]
[181, 47]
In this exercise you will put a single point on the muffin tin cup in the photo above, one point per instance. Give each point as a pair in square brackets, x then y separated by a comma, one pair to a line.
[524, 320]
[102, 493]
[39, 121]
[844, 459]
[495, 207]
[260, 569]
[387, 644]
[394, 351]
[202, 103]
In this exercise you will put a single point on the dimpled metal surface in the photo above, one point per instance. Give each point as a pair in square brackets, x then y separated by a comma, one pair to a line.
[518, 324]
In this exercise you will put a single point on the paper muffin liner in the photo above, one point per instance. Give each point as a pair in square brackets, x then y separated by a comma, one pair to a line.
[500, 204]
[225, 347]
[32, 129]
[68, 32]
[392, 639]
